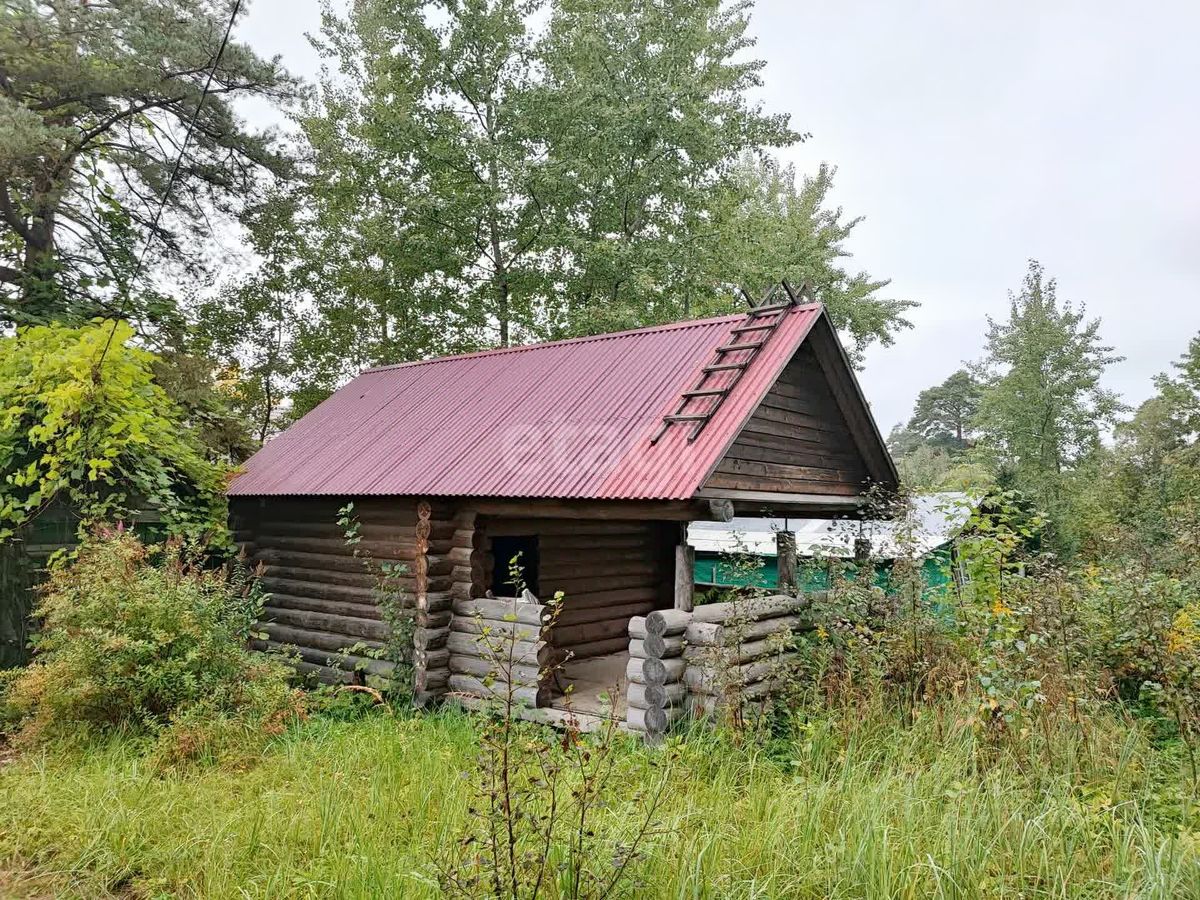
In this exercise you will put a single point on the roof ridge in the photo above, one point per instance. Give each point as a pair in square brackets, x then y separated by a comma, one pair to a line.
[583, 339]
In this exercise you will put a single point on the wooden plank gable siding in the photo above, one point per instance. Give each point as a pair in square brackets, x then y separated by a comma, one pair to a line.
[797, 441]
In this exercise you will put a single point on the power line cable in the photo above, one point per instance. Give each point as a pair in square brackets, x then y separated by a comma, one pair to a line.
[162, 205]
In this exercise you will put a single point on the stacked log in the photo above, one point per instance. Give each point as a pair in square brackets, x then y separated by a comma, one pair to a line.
[451, 546]
[497, 648]
[607, 570]
[322, 605]
[656, 692]
[737, 652]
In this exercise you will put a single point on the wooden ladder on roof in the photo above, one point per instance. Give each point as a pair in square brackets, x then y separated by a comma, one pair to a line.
[761, 321]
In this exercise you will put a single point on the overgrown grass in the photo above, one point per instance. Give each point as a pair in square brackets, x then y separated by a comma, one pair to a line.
[849, 806]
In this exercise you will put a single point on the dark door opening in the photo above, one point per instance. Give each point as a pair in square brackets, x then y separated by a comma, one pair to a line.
[515, 555]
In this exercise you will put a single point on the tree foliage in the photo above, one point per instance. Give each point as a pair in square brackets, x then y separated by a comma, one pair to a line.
[495, 172]
[945, 414]
[95, 100]
[1043, 410]
[95, 432]
[1140, 499]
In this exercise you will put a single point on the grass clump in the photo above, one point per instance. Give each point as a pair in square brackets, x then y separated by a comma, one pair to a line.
[147, 642]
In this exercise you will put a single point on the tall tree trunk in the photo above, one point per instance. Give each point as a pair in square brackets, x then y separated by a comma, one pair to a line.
[499, 266]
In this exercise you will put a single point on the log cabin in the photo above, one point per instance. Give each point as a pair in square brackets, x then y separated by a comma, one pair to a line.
[581, 462]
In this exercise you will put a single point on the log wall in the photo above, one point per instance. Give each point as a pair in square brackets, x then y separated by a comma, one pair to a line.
[607, 570]
[701, 661]
[322, 602]
[497, 647]
[655, 694]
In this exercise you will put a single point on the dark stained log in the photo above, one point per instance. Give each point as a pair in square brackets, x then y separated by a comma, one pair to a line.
[660, 510]
[785, 556]
[430, 638]
[349, 662]
[431, 619]
[431, 659]
[318, 562]
[320, 590]
[323, 674]
[566, 529]
[438, 601]
[567, 636]
[335, 546]
[432, 682]
[787, 471]
[338, 607]
[611, 599]
[599, 569]
[401, 535]
[616, 580]
[573, 615]
[322, 640]
[356, 627]
[791, 503]
[323, 576]
[786, 486]
[826, 460]
[623, 541]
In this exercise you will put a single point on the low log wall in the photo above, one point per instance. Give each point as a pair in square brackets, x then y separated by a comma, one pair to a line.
[698, 662]
[495, 642]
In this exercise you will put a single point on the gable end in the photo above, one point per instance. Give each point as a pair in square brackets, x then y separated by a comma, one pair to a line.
[811, 434]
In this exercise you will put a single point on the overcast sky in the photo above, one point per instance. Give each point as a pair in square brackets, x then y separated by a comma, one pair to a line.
[973, 136]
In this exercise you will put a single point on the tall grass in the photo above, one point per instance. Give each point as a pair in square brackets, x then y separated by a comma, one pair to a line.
[847, 806]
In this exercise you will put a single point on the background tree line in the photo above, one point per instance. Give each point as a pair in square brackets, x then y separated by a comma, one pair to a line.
[1032, 416]
[464, 175]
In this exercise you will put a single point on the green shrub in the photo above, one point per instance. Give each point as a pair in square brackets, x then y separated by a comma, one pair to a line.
[144, 640]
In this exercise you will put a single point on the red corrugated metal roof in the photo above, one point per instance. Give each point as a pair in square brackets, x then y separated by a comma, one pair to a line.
[570, 419]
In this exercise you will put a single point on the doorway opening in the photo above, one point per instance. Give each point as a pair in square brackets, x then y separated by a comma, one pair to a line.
[516, 565]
